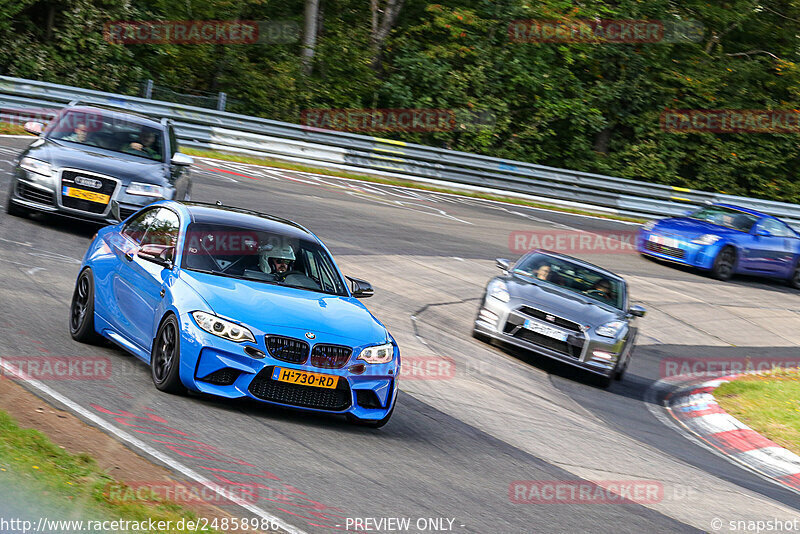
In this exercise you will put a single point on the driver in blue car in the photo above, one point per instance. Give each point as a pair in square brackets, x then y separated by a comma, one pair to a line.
[277, 261]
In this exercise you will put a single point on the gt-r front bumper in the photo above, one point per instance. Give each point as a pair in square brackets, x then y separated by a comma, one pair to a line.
[583, 349]
[217, 366]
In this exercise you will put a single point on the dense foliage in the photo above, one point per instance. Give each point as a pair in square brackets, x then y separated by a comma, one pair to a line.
[588, 106]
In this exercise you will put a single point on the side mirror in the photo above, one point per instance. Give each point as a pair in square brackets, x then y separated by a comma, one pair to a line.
[360, 289]
[637, 311]
[760, 232]
[33, 127]
[503, 264]
[162, 255]
[182, 159]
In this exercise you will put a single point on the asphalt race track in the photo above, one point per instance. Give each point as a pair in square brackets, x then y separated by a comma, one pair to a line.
[462, 433]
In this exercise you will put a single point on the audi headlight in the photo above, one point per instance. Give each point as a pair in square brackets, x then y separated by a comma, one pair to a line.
[610, 329]
[222, 328]
[649, 225]
[498, 289]
[377, 354]
[36, 166]
[706, 239]
[145, 190]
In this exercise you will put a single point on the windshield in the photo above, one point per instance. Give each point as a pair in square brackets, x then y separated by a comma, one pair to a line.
[727, 217]
[111, 133]
[252, 254]
[573, 277]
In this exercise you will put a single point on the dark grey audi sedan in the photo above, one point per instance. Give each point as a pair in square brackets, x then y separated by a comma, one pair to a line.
[563, 308]
[98, 164]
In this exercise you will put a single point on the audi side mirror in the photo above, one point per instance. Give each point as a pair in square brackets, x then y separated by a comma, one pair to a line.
[162, 255]
[637, 311]
[360, 289]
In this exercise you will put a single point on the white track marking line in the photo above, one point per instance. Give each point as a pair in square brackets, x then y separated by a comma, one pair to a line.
[147, 449]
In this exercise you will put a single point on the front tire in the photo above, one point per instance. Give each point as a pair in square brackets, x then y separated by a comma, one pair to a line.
[81, 311]
[724, 264]
[165, 359]
[794, 281]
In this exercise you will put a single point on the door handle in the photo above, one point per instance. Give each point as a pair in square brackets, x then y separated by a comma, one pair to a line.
[128, 256]
[163, 292]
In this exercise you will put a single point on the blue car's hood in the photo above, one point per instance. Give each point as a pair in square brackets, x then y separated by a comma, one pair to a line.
[266, 306]
[691, 228]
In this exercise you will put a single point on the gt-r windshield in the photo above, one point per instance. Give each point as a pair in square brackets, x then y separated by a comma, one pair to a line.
[92, 128]
[727, 217]
[252, 254]
[573, 277]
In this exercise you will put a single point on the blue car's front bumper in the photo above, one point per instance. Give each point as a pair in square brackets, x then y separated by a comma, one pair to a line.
[216, 366]
[676, 249]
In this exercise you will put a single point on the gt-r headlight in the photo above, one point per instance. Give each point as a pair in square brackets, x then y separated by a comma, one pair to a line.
[649, 225]
[222, 328]
[706, 239]
[498, 289]
[377, 354]
[145, 190]
[36, 166]
[610, 329]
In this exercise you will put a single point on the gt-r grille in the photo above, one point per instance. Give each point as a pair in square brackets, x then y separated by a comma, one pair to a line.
[107, 187]
[34, 194]
[330, 356]
[287, 349]
[550, 318]
[263, 387]
[663, 249]
[567, 349]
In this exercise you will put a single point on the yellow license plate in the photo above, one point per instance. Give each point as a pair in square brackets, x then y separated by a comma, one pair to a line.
[91, 196]
[303, 378]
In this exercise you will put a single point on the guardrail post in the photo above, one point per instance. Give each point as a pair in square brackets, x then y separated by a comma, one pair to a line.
[148, 89]
[221, 100]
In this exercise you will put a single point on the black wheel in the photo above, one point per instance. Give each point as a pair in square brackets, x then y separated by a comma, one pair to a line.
[619, 373]
[81, 311]
[13, 209]
[352, 419]
[794, 281]
[165, 359]
[724, 264]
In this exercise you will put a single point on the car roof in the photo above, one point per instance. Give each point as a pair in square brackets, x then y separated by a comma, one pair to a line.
[120, 115]
[205, 213]
[580, 262]
[742, 209]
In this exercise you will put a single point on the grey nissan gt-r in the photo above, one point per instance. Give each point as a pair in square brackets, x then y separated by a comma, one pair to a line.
[98, 164]
[563, 308]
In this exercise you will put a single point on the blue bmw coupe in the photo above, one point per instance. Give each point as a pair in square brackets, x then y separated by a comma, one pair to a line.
[726, 240]
[235, 303]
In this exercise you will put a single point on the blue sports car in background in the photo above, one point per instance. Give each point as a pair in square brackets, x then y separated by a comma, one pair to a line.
[725, 240]
[236, 303]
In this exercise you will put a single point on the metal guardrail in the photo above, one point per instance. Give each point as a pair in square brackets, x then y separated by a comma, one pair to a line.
[206, 128]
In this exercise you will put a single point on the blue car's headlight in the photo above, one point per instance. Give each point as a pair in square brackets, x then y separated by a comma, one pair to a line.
[610, 329]
[377, 354]
[649, 225]
[706, 239]
[222, 328]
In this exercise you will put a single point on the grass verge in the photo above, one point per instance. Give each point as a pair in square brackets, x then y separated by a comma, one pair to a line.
[768, 403]
[7, 128]
[71, 484]
[392, 181]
